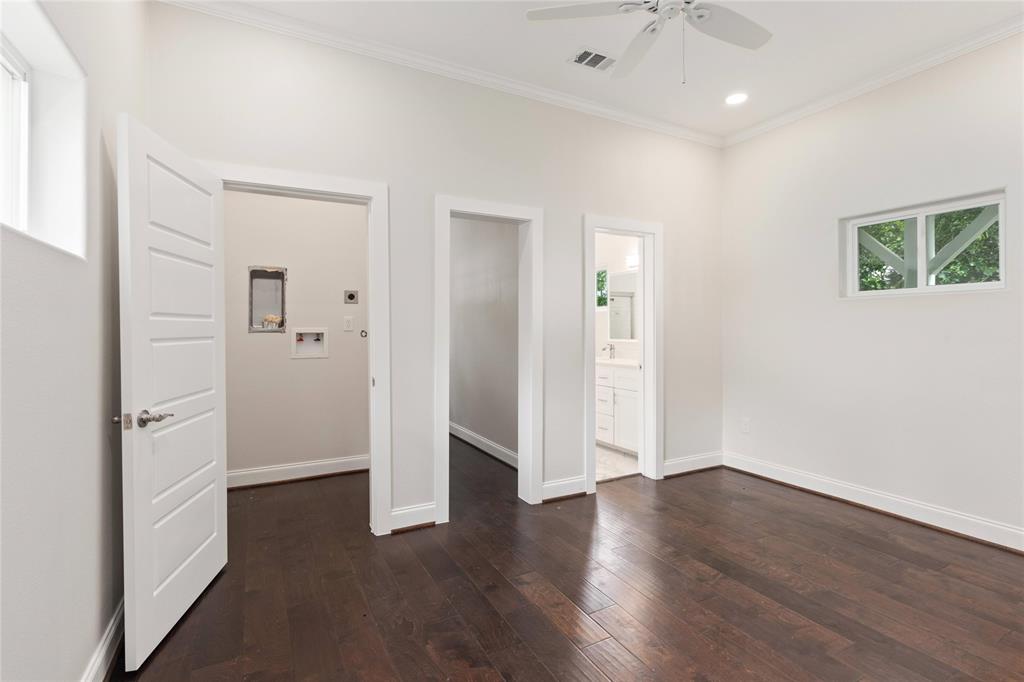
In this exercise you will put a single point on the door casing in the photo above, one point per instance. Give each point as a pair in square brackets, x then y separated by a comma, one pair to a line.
[652, 431]
[530, 441]
[374, 195]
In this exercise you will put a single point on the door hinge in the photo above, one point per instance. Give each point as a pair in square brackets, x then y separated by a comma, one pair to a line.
[373, 382]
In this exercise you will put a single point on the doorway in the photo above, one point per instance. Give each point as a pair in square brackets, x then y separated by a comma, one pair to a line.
[483, 380]
[370, 320]
[622, 347]
[528, 225]
[297, 362]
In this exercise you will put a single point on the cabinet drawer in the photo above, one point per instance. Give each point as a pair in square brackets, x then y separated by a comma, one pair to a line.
[605, 428]
[604, 400]
[604, 375]
[627, 378]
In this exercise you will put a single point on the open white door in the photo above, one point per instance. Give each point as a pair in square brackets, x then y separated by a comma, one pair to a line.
[172, 370]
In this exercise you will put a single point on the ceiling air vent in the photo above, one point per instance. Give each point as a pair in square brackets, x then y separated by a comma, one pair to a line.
[592, 59]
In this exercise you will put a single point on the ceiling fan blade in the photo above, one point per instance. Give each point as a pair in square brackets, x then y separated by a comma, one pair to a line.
[637, 48]
[724, 24]
[579, 10]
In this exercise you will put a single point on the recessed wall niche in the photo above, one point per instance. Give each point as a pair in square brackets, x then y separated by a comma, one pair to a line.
[267, 299]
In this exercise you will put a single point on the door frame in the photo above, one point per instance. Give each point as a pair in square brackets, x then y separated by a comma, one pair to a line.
[373, 195]
[651, 459]
[530, 398]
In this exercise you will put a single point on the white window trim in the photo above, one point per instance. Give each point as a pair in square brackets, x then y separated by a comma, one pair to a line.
[850, 233]
[12, 61]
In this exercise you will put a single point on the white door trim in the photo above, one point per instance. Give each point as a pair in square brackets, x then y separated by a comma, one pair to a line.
[530, 447]
[651, 459]
[375, 196]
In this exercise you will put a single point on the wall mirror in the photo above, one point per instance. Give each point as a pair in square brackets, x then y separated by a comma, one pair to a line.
[266, 299]
[623, 322]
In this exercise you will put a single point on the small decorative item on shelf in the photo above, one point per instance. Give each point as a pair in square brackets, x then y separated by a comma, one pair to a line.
[317, 339]
[300, 338]
[271, 321]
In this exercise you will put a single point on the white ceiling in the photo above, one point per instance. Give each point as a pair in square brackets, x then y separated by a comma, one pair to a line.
[820, 50]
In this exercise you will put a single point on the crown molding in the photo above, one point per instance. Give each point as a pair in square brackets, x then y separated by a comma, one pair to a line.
[984, 38]
[245, 13]
[272, 21]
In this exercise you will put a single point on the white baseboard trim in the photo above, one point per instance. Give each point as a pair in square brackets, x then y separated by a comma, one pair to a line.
[564, 486]
[106, 651]
[287, 472]
[413, 515]
[959, 522]
[681, 465]
[498, 452]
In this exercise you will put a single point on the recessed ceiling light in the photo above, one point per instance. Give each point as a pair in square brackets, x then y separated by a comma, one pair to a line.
[736, 99]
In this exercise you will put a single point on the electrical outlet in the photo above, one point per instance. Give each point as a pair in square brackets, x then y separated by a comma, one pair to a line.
[745, 425]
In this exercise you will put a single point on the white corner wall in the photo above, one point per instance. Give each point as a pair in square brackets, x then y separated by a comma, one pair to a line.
[911, 404]
[61, 466]
[483, 386]
[299, 105]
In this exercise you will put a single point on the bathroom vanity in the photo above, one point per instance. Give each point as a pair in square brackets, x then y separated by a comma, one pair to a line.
[618, 403]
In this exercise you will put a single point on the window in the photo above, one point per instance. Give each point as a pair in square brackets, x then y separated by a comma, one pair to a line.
[951, 246]
[13, 136]
[602, 288]
[42, 130]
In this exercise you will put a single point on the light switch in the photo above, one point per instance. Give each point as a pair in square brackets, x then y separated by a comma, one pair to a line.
[349, 323]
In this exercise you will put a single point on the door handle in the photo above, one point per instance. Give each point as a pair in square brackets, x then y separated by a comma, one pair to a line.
[145, 417]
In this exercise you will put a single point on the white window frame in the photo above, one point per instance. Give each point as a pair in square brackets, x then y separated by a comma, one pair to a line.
[851, 231]
[12, 62]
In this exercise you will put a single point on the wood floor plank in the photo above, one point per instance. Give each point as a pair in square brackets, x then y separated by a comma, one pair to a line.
[560, 610]
[714, 576]
[617, 662]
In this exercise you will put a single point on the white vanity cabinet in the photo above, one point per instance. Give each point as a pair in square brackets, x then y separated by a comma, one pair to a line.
[618, 404]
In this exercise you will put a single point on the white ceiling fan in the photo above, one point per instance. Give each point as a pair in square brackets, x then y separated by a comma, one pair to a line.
[713, 20]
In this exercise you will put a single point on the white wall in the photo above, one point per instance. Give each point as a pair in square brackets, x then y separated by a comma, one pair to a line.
[611, 253]
[283, 410]
[230, 92]
[483, 388]
[61, 467]
[909, 402]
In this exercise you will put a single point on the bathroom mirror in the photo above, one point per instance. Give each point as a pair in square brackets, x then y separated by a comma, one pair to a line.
[623, 322]
[266, 299]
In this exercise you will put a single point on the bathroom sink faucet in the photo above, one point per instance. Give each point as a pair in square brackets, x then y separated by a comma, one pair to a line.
[611, 350]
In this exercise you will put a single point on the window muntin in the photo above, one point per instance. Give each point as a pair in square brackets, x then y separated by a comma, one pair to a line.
[950, 246]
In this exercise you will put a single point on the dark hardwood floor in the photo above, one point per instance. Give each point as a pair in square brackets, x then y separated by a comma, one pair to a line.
[714, 575]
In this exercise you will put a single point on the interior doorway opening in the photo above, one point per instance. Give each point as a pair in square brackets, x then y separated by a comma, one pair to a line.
[511, 225]
[619, 357]
[483, 356]
[297, 360]
[623, 432]
[365, 203]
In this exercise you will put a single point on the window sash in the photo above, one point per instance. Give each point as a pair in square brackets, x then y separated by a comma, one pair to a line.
[925, 283]
[14, 120]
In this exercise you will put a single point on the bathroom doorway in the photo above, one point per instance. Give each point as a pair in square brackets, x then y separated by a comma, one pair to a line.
[622, 387]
